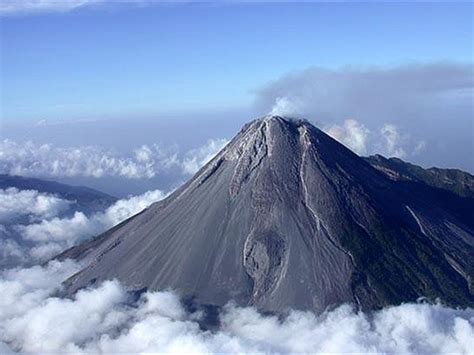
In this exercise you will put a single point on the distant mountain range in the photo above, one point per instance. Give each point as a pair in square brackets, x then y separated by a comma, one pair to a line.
[84, 199]
[13, 246]
[453, 180]
[286, 217]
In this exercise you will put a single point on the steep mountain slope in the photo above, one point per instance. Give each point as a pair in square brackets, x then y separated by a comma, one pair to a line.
[284, 216]
[454, 180]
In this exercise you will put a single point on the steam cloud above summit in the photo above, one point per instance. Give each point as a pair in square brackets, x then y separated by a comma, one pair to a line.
[413, 106]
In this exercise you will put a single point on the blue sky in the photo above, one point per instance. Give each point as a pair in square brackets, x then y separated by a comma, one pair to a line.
[103, 61]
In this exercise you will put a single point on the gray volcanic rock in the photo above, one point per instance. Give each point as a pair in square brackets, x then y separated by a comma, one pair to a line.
[286, 217]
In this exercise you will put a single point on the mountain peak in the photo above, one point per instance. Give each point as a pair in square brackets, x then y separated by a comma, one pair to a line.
[264, 133]
[276, 120]
[283, 119]
[285, 216]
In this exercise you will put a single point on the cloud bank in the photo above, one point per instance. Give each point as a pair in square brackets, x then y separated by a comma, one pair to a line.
[107, 320]
[35, 228]
[14, 203]
[55, 235]
[197, 158]
[352, 133]
[47, 160]
[406, 108]
[387, 140]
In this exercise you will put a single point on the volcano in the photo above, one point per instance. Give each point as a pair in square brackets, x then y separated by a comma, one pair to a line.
[286, 217]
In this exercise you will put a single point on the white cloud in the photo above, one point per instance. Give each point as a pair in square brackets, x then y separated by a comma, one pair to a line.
[31, 159]
[433, 102]
[47, 160]
[51, 236]
[392, 140]
[102, 320]
[106, 320]
[10, 7]
[22, 289]
[14, 202]
[352, 134]
[59, 229]
[188, 163]
[26, 6]
[387, 140]
[11, 251]
[144, 154]
[35, 227]
[196, 158]
[419, 147]
[125, 208]
[285, 107]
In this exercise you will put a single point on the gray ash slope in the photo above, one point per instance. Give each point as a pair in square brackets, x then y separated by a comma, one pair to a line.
[286, 217]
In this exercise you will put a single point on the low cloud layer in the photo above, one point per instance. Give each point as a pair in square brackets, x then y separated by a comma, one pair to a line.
[196, 158]
[36, 228]
[425, 110]
[47, 160]
[35, 205]
[106, 320]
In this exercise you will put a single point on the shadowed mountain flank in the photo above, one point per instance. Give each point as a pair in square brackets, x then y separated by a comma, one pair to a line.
[453, 180]
[286, 217]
